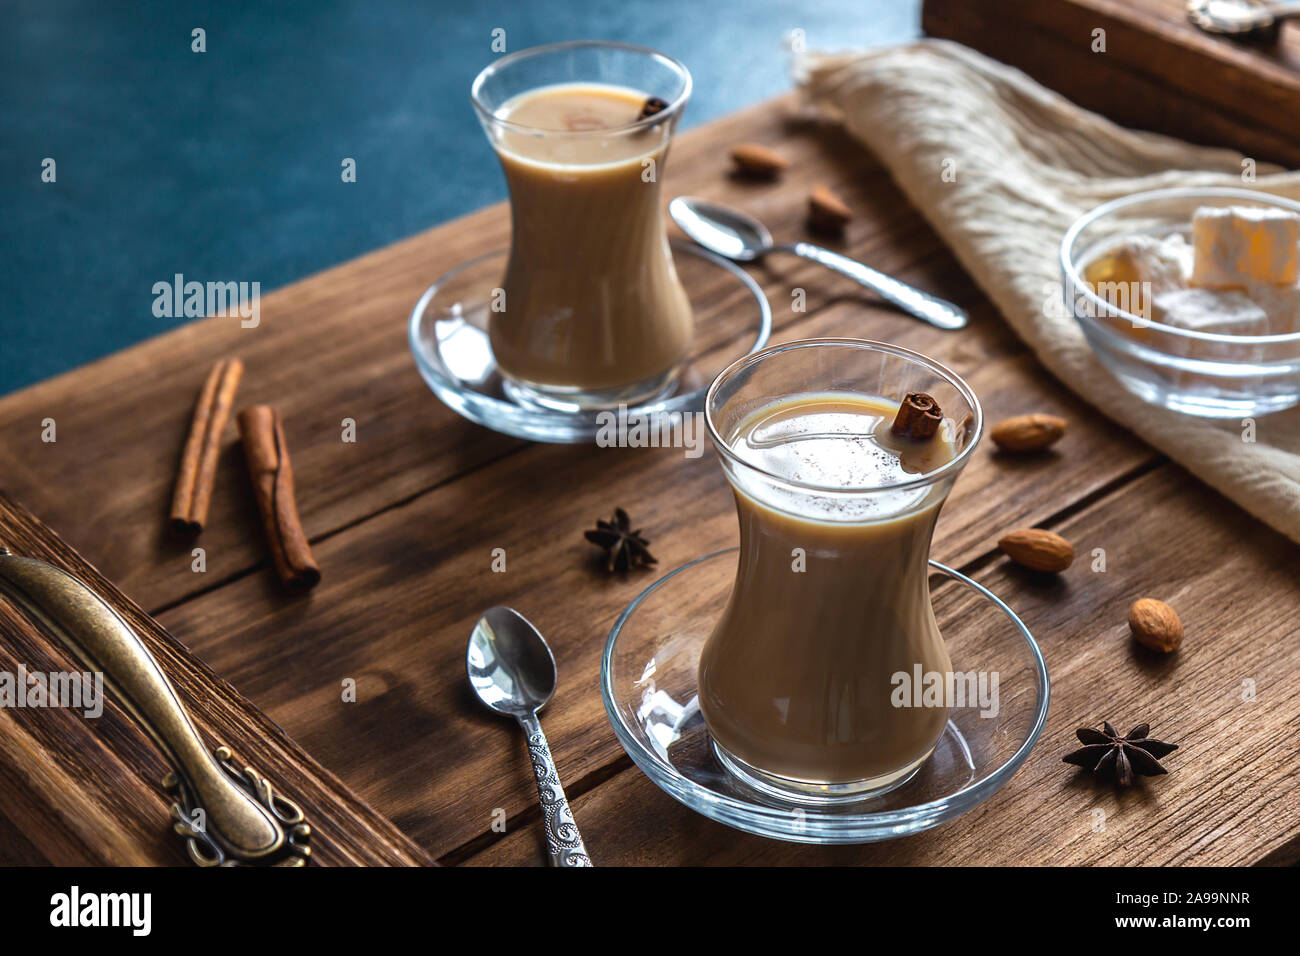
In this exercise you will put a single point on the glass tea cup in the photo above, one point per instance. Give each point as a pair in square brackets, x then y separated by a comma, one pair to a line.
[798, 682]
[591, 313]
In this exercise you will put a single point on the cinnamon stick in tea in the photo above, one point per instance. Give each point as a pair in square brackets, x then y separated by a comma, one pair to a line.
[918, 418]
[272, 475]
[198, 468]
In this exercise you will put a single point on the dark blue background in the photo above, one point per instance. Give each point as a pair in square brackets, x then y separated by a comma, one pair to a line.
[225, 165]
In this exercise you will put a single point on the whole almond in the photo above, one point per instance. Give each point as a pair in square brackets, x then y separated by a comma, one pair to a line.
[1155, 625]
[758, 161]
[1026, 433]
[827, 212]
[1037, 550]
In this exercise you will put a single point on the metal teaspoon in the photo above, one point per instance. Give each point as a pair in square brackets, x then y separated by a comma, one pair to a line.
[1237, 17]
[737, 235]
[512, 671]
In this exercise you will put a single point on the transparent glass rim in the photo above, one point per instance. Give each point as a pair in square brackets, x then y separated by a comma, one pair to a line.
[821, 826]
[1076, 281]
[673, 109]
[920, 481]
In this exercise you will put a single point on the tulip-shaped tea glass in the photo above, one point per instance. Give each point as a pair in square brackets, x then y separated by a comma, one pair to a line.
[815, 683]
[590, 312]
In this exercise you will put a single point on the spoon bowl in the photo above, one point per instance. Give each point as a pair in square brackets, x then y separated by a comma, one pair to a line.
[1242, 19]
[510, 665]
[721, 229]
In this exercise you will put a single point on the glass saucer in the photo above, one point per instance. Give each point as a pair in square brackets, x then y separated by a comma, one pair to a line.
[448, 336]
[648, 682]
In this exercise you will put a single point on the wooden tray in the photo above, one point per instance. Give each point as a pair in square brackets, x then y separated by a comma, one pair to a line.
[1158, 72]
[80, 792]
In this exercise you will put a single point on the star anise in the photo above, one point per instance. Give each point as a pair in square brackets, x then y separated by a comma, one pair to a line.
[1106, 752]
[627, 549]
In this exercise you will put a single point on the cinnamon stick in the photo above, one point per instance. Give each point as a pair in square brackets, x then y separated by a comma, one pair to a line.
[198, 468]
[918, 418]
[272, 475]
[652, 106]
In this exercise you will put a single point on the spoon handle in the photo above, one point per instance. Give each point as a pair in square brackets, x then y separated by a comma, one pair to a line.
[929, 308]
[563, 841]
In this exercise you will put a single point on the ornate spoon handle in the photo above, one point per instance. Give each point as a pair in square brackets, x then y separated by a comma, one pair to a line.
[563, 841]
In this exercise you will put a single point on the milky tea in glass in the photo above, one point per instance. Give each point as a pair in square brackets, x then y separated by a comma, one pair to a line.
[591, 312]
[831, 600]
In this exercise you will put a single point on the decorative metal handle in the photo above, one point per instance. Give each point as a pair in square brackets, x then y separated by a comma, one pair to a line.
[242, 820]
[929, 308]
[563, 841]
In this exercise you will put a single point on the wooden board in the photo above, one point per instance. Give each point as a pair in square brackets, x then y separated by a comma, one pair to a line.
[1157, 71]
[404, 523]
[1225, 799]
[82, 792]
[425, 571]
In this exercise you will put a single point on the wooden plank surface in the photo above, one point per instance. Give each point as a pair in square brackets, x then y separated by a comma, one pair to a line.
[1229, 796]
[408, 586]
[83, 792]
[405, 521]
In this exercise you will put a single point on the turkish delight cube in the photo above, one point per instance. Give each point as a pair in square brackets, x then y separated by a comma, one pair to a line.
[1233, 245]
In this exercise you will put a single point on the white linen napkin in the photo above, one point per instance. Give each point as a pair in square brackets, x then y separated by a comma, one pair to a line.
[1028, 162]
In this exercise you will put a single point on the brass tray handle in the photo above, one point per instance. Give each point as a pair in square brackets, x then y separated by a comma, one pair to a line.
[227, 815]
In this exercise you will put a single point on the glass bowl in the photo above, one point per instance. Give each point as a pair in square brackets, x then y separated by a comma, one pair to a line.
[648, 683]
[449, 341]
[1206, 374]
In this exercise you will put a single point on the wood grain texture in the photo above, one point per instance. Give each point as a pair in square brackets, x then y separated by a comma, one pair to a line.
[1228, 799]
[87, 791]
[334, 346]
[406, 587]
[1157, 72]
[404, 523]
